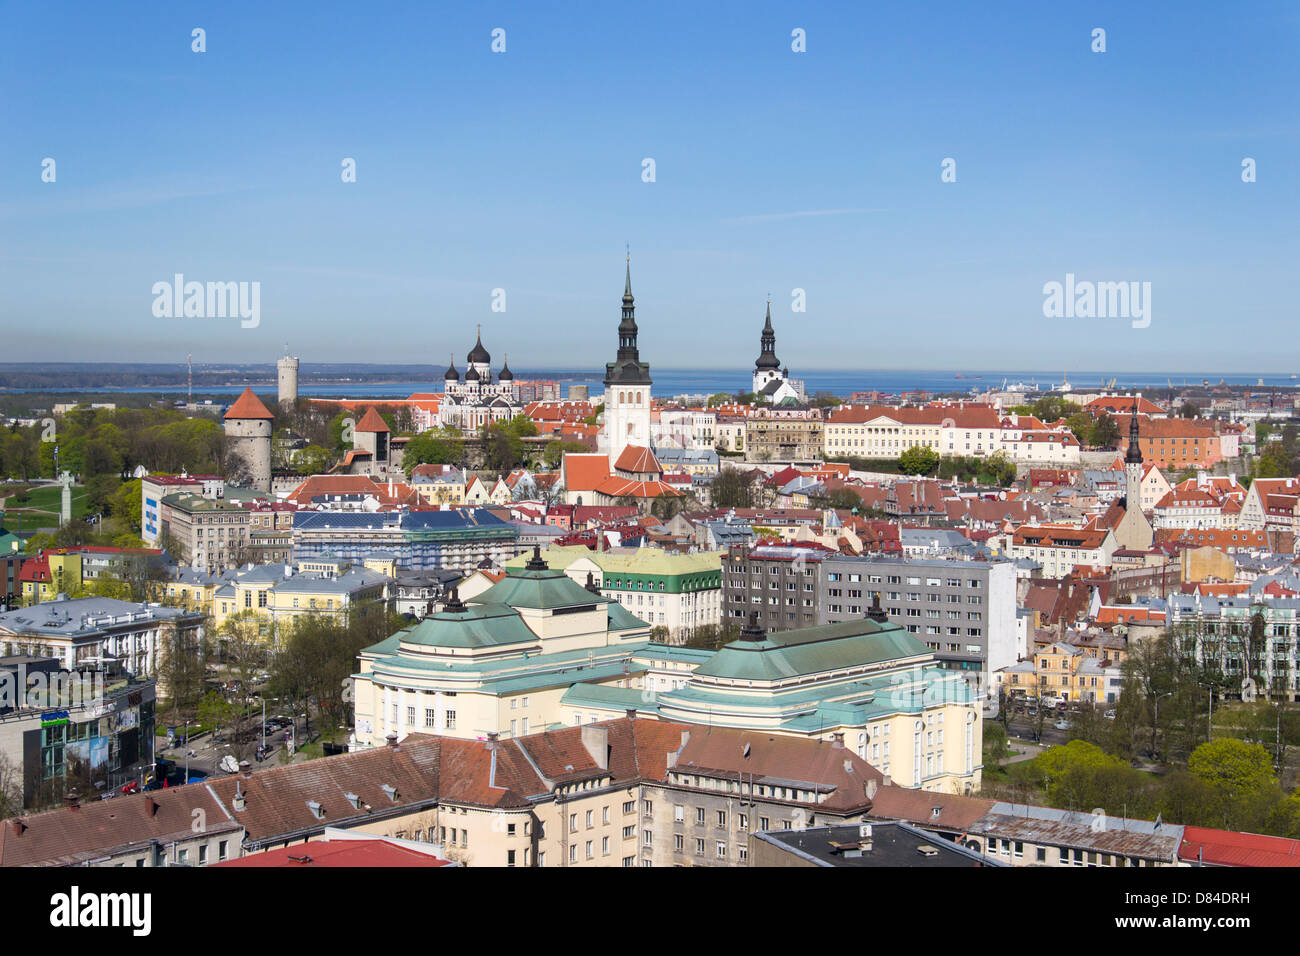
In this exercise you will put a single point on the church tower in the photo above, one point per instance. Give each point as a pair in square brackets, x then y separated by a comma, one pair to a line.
[1133, 462]
[627, 386]
[768, 366]
[1134, 530]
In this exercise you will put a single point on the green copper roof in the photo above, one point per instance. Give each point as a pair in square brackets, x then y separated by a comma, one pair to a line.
[540, 589]
[812, 650]
[479, 625]
[609, 697]
[621, 619]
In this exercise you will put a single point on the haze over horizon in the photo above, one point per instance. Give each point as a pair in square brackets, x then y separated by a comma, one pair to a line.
[775, 171]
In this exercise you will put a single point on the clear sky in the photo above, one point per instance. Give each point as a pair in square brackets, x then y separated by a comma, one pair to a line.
[775, 170]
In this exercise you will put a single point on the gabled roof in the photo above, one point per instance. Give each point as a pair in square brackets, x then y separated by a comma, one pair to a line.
[248, 405]
[583, 472]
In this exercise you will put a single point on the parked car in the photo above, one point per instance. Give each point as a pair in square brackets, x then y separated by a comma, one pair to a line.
[1062, 725]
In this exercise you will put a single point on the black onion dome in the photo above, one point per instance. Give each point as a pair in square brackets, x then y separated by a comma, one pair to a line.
[478, 355]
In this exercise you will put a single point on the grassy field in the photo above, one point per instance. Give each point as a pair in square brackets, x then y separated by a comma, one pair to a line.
[42, 506]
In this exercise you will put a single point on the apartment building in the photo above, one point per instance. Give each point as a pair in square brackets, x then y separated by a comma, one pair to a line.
[206, 533]
[1058, 549]
[964, 611]
[458, 538]
[773, 436]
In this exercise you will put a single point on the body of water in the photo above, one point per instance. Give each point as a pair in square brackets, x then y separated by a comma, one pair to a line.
[669, 382]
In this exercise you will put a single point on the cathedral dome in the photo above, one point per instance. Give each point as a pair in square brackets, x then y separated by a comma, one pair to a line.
[472, 374]
[506, 375]
[478, 355]
[451, 374]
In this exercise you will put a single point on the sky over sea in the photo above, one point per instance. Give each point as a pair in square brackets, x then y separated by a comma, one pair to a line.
[903, 187]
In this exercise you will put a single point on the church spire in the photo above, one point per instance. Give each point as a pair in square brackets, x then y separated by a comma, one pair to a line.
[627, 330]
[1134, 454]
[767, 344]
[627, 369]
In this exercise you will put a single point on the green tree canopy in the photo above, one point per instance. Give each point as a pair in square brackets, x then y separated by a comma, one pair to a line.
[918, 460]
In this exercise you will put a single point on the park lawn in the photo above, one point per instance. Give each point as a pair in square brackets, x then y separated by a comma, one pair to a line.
[45, 502]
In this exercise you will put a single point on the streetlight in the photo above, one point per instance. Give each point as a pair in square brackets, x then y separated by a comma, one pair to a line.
[1155, 724]
[187, 750]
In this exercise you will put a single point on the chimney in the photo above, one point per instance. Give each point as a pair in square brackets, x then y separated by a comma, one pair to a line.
[71, 800]
[237, 802]
[151, 806]
[245, 770]
[837, 740]
[630, 713]
[391, 739]
[596, 739]
[887, 781]
[871, 789]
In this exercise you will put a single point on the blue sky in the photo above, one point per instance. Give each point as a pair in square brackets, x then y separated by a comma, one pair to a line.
[775, 170]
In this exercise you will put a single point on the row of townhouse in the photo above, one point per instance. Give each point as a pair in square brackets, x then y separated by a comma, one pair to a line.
[628, 792]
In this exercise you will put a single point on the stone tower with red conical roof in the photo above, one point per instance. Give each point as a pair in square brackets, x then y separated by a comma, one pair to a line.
[248, 436]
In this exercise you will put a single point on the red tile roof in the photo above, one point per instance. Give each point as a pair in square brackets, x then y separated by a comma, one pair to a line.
[340, 853]
[639, 460]
[583, 472]
[372, 421]
[248, 405]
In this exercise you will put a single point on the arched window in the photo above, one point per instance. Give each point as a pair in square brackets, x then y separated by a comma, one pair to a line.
[621, 398]
[638, 398]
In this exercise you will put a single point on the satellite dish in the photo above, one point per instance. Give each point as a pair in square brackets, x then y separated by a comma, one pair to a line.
[229, 764]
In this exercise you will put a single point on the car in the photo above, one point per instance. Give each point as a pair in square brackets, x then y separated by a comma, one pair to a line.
[1062, 725]
[1109, 715]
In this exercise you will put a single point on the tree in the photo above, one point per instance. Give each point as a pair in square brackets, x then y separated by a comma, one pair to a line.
[1239, 774]
[11, 788]
[1081, 425]
[429, 448]
[1189, 410]
[1051, 407]
[720, 398]
[182, 666]
[1081, 776]
[918, 460]
[555, 451]
[841, 499]
[995, 745]
[1105, 432]
[1000, 468]
[313, 460]
[1273, 462]
[732, 488]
